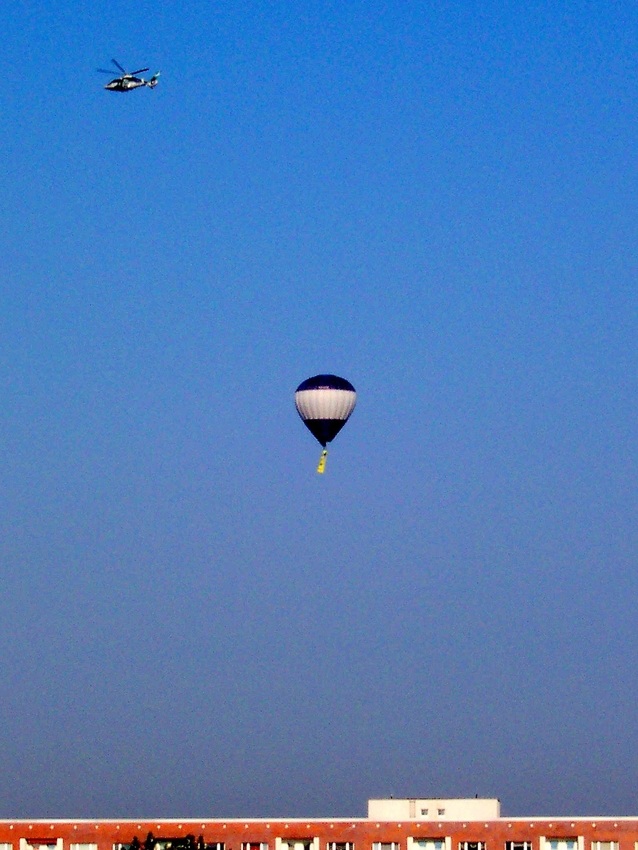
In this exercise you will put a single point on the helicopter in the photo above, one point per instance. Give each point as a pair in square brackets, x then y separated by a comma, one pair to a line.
[128, 80]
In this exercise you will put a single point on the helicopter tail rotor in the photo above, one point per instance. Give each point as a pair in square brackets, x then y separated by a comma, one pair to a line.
[153, 81]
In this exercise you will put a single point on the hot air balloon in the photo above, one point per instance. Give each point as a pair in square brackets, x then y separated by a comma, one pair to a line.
[325, 403]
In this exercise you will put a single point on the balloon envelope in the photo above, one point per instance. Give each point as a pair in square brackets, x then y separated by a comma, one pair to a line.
[325, 403]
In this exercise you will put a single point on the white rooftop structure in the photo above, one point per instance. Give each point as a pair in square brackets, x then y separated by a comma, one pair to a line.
[434, 809]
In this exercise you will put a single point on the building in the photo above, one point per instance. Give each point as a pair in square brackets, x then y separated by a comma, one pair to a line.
[392, 824]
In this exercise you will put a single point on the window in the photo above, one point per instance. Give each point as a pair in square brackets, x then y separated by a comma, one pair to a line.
[82, 846]
[429, 843]
[518, 845]
[161, 842]
[340, 845]
[254, 845]
[563, 843]
[472, 845]
[385, 845]
[424, 811]
[440, 812]
[184, 842]
[595, 845]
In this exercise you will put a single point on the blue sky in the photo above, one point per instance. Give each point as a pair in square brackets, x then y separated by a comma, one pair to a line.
[435, 201]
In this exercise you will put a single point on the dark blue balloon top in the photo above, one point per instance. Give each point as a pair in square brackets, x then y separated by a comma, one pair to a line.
[325, 382]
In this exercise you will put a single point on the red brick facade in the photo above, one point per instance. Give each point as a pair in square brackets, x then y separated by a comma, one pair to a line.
[539, 833]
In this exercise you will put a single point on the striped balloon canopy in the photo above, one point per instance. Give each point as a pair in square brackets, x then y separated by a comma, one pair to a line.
[325, 403]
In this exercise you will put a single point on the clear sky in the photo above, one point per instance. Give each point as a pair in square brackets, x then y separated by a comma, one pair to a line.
[437, 201]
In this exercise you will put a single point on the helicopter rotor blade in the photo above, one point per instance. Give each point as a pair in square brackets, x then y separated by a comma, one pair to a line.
[139, 71]
[105, 71]
[117, 65]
